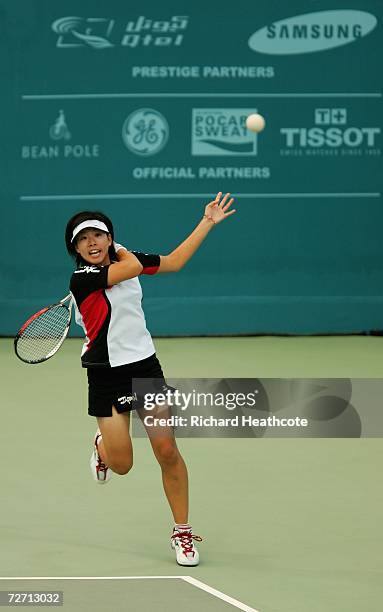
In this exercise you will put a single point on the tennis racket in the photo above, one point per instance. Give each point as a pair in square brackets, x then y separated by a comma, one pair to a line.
[42, 335]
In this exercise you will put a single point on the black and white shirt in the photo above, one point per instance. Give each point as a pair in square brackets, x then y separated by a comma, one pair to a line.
[112, 317]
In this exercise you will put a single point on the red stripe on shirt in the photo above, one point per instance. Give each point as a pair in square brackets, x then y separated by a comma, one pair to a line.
[150, 270]
[94, 310]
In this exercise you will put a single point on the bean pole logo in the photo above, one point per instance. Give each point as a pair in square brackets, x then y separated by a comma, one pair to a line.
[61, 144]
[59, 130]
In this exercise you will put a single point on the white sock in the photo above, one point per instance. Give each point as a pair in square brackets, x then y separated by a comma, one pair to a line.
[182, 527]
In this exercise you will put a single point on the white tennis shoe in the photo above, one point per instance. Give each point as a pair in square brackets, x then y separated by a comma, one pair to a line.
[182, 543]
[100, 471]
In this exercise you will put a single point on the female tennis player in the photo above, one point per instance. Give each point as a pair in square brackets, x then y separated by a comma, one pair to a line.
[118, 348]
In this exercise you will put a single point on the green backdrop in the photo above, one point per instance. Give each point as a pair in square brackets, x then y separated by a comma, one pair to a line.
[140, 112]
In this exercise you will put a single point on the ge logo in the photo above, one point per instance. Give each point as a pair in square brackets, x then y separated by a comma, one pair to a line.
[145, 131]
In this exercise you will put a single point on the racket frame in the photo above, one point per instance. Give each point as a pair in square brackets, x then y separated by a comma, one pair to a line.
[37, 314]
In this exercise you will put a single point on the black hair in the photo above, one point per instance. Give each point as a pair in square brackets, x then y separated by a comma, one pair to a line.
[86, 215]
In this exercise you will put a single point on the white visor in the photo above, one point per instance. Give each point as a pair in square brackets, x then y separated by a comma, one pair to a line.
[87, 224]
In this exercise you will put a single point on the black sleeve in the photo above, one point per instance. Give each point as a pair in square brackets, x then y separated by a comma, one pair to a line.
[151, 263]
[86, 280]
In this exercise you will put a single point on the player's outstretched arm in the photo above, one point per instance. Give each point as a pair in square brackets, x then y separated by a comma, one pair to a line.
[215, 212]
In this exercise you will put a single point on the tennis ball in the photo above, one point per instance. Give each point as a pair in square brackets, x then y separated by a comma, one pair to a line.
[255, 123]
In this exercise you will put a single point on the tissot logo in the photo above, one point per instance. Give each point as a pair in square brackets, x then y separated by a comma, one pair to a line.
[333, 131]
[312, 32]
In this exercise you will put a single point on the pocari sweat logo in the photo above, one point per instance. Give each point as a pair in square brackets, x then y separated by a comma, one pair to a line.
[312, 32]
[222, 131]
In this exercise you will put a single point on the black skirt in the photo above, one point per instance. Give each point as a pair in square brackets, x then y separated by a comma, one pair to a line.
[109, 387]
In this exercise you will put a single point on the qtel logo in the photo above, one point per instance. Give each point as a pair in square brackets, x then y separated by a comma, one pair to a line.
[97, 32]
[312, 32]
[329, 135]
[222, 131]
[145, 132]
[78, 32]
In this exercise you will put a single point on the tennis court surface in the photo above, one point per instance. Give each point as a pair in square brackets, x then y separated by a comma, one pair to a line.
[288, 525]
[160, 593]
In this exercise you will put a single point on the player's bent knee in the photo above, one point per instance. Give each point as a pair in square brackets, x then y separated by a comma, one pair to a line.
[167, 452]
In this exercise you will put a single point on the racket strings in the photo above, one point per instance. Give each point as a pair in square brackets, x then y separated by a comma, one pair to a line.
[44, 334]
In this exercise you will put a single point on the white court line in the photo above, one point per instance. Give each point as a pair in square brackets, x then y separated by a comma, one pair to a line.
[143, 196]
[193, 581]
[197, 95]
[87, 577]
[219, 594]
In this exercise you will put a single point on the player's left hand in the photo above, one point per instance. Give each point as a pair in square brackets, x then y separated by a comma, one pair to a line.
[118, 247]
[121, 251]
[216, 210]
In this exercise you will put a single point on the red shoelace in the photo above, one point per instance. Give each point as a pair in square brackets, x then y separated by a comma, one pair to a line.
[186, 538]
[101, 466]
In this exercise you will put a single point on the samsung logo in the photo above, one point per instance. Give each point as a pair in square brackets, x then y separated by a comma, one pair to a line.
[312, 32]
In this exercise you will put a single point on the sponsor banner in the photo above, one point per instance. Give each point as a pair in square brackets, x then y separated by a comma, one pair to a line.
[254, 408]
[110, 51]
[296, 34]
[175, 141]
[144, 145]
